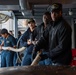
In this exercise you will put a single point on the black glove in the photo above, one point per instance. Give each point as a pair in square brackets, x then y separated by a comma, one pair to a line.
[34, 53]
[43, 56]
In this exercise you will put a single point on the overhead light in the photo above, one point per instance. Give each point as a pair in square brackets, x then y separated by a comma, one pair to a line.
[70, 12]
[23, 13]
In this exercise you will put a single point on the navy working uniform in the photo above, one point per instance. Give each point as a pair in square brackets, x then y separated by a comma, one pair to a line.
[7, 56]
[23, 42]
[1, 40]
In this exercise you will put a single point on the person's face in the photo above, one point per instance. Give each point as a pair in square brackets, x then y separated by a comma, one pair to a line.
[10, 33]
[46, 18]
[56, 15]
[4, 35]
[31, 25]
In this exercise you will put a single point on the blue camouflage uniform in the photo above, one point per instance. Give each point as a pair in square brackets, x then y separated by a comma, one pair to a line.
[7, 56]
[1, 39]
[23, 42]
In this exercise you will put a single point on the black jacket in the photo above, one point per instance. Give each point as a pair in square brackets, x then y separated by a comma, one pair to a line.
[58, 35]
[38, 33]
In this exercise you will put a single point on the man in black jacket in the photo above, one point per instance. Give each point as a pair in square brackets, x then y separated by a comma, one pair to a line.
[59, 38]
[38, 33]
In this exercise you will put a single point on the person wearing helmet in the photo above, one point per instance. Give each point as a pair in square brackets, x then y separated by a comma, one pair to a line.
[58, 37]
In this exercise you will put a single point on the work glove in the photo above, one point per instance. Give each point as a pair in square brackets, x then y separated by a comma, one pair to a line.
[43, 56]
[34, 53]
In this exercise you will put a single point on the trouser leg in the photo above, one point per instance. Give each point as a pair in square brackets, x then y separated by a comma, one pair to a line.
[3, 60]
[9, 59]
